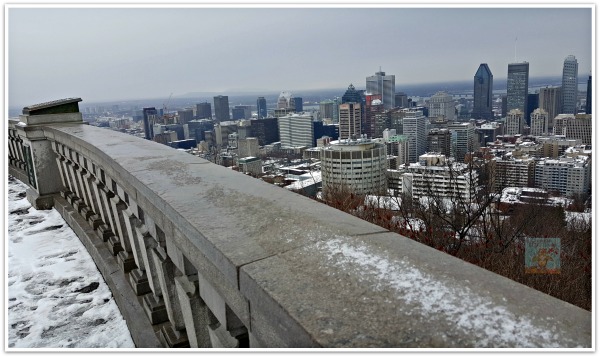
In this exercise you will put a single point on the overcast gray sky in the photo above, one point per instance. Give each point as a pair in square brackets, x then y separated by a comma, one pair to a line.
[126, 53]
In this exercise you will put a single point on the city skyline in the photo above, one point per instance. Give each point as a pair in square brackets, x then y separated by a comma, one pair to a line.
[128, 53]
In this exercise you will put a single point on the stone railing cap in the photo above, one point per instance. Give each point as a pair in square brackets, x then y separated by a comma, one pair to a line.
[55, 103]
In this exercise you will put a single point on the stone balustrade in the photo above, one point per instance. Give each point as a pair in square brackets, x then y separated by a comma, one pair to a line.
[198, 255]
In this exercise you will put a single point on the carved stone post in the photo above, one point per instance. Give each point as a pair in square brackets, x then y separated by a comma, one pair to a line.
[42, 172]
[194, 310]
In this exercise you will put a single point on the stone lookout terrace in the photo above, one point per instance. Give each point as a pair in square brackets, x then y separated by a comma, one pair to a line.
[197, 255]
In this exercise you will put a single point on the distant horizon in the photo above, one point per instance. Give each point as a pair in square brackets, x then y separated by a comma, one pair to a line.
[191, 95]
[118, 53]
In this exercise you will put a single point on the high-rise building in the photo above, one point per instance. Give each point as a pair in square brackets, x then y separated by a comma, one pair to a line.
[221, 108]
[296, 130]
[396, 145]
[185, 115]
[401, 100]
[462, 139]
[283, 102]
[487, 132]
[352, 95]
[336, 109]
[514, 122]
[569, 85]
[261, 107]
[296, 104]
[539, 122]
[203, 111]
[382, 121]
[350, 115]
[580, 128]
[148, 114]
[414, 126]
[442, 104]
[358, 166]
[237, 113]
[266, 130]
[569, 176]
[533, 102]
[517, 86]
[373, 106]
[560, 123]
[588, 97]
[433, 176]
[384, 85]
[440, 141]
[512, 172]
[326, 109]
[482, 93]
[242, 112]
[551, 101]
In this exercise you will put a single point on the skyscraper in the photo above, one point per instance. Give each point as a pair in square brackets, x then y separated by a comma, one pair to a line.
[296, 104]
[588, 97]
[414, 126]
[148, 122]
[551, 101]
[350, 115]
[185, 115]
[203, 111]
[569, 86]
[462, 139]
[221, 108]
[373, 106]
[261, 107]
[482, 93]
[533, 102]
[326, 109]
[401, 100]
[354, 96]
[384, 85]
[517, 86]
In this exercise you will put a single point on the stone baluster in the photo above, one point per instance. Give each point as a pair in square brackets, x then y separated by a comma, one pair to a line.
[195, 312]
[125, 257]
[173, 334]
[153, 302]
[82, 178]
[137, 276]
[72, 168]
[61, 162]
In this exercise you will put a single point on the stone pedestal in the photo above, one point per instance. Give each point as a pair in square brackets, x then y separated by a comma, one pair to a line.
[43, 175]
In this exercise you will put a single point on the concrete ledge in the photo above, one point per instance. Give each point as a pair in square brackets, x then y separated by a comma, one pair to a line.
[141, 330]
[386, 290]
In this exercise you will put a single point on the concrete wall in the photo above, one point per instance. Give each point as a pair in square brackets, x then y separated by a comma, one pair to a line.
[207, 257]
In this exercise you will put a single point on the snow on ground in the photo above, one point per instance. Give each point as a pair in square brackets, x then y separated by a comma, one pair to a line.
[56, 296]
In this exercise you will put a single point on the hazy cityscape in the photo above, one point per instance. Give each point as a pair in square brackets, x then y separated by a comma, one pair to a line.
[476, 147]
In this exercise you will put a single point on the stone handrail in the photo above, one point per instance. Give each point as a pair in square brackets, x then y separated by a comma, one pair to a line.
[16, 161]
[199, 255]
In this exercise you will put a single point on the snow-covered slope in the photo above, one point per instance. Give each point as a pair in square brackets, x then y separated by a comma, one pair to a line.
[56, 297]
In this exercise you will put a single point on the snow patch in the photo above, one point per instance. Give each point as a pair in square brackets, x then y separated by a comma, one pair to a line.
[48, 269]
[492, 325]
